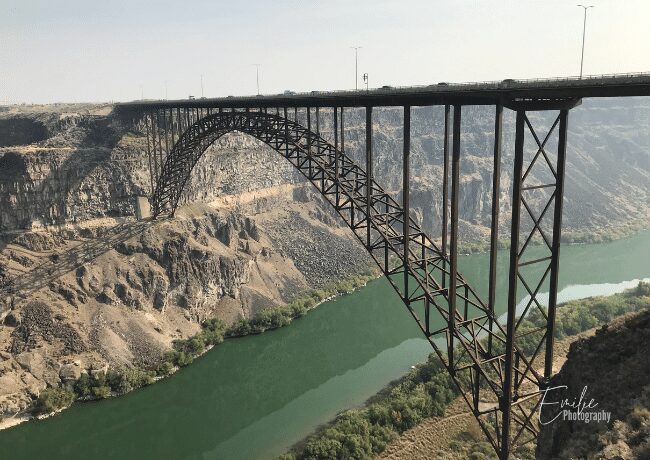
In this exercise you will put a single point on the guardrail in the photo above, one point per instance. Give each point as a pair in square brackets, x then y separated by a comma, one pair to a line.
[506, 84]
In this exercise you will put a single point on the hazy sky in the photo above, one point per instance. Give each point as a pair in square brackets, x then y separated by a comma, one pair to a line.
[87, 50]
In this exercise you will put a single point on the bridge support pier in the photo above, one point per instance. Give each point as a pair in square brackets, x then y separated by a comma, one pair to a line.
[453, 245]
[406, 192]
[522, 381]
[494, 222]
[369, 174]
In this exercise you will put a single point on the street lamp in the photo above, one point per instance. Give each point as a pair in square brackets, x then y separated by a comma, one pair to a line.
[356, 66]
[584, 28]
[257, 77]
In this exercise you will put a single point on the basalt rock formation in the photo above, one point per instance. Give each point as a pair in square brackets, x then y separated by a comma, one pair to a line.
[92, 165]
[614, 367]
[83, 284]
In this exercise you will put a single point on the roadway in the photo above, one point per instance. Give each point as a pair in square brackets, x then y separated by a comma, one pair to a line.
[476, 93]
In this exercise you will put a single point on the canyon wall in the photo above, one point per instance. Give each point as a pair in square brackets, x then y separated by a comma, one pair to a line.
[84, 285]
[93, 166]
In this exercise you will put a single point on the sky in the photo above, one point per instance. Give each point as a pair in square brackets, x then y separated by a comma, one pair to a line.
[121, 50]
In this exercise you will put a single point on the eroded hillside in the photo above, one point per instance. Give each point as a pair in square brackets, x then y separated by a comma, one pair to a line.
[86, 286]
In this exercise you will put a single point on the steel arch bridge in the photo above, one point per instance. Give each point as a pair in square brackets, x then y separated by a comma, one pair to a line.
[499, 367]
[416, 267]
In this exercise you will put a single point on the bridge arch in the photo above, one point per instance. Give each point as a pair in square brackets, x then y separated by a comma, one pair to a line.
[414, 265]
[287, 137]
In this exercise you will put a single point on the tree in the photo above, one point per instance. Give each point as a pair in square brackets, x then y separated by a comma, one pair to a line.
[53, 399]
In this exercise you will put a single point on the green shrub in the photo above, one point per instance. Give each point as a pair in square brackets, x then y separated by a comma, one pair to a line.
[287, 456]
[165, 368]
[82, 387]
[322, 448]
[456, 446]
[643, 289]
[240, 328]
[92, 386]
[213, 332]
[128, 379]
[52, 399]
[195, 345]
[101, 392]
[182, 359]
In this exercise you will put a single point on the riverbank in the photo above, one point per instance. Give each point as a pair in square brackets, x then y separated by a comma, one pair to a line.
[456, 435]
[427, 391]
[614, 232]
[185, 351]
[111, 383]
[256, 396]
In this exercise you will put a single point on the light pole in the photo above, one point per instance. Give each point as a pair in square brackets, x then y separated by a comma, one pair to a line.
[584, 28]
[257, 77]
[201, 85]
[356, 66]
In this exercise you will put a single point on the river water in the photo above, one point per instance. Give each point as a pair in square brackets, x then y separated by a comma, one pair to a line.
[253, 397]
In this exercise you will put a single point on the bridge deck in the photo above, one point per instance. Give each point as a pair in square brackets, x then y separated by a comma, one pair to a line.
[479, 93]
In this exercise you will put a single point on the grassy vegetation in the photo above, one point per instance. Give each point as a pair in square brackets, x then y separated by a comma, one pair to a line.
[119, 381]
[52, 399]
[427, 390]
[591, 236]
[603, 235]
[362, 433]
[184, 351]
[281, 316]
[471, 444]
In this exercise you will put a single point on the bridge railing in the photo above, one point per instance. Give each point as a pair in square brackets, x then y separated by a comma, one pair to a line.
[486, 84]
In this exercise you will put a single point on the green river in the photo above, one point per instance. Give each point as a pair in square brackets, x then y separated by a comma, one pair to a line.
[253, 397]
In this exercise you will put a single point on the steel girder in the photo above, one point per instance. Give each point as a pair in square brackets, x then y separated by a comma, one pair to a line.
[497, 378]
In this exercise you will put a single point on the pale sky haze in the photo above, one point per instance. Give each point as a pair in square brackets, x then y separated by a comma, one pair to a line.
[116, 50]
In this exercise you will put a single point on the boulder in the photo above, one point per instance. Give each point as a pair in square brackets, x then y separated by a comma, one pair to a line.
[12, 319]
[97, 370]
[70, 372]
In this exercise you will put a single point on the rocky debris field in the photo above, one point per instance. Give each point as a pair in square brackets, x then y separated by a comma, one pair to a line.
[318, 253]
[36, 324]
[89, 298]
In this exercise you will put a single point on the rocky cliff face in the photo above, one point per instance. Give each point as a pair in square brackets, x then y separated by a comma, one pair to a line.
[91, 296]
[614, 369]
[98, 287]
[608, 162]
[92, 166]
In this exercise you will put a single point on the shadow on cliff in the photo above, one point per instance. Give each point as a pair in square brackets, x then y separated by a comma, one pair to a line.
[49, 201]
[22, 287]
